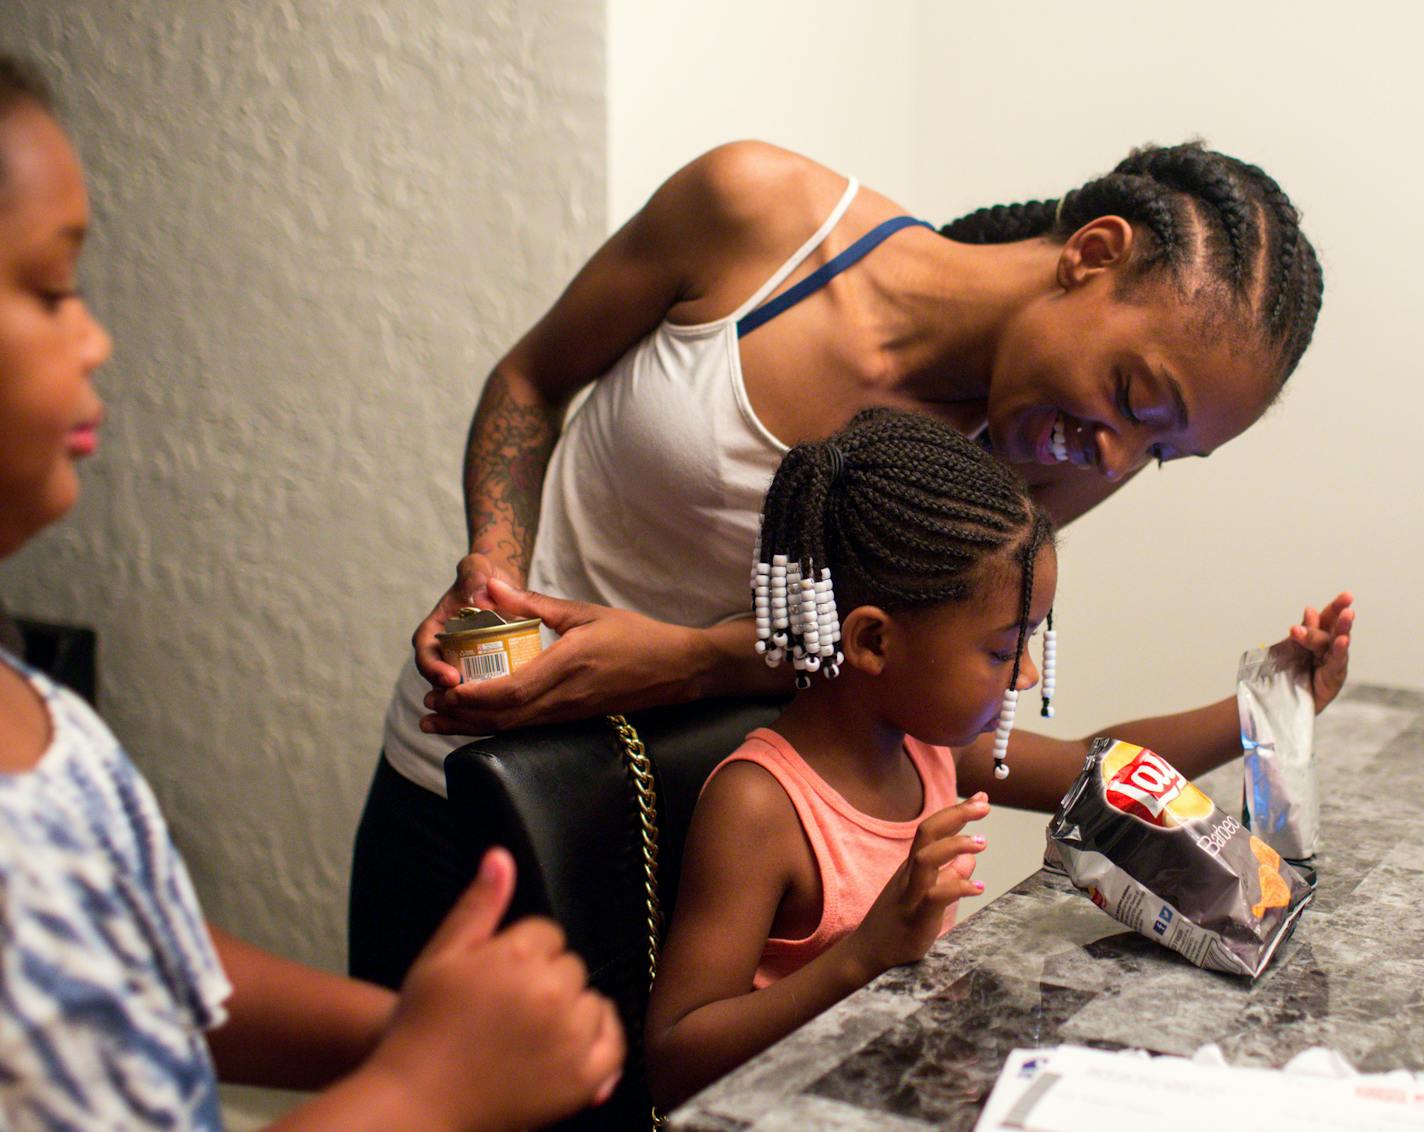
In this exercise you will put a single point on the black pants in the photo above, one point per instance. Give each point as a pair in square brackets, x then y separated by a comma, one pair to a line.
[410, 867]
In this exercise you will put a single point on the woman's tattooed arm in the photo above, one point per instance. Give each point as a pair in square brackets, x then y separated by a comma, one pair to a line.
[506, 455]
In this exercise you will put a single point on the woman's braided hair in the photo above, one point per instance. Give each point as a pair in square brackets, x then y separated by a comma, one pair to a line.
[1198, 209]
[905, 512]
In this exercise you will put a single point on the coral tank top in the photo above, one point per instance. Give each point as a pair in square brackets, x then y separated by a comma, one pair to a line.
[856, 854]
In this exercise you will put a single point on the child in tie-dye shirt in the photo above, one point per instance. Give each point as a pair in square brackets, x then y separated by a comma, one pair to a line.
[116, 999]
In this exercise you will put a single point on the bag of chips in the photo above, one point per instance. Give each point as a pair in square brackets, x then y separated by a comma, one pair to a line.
[1281, 802]
[1154, 852]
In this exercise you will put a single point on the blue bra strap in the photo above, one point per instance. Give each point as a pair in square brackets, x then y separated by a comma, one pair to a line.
[825, 273]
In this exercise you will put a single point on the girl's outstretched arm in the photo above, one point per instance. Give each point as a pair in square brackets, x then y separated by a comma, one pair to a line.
[743, 851]
[1193, 741]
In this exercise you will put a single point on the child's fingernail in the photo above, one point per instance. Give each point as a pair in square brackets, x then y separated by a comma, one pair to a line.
[978, 840]
[978, 886]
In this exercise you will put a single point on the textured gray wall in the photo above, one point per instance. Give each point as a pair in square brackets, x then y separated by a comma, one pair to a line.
[317, 224]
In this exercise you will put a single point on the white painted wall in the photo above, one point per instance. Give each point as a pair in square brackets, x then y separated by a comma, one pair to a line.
[951, 106]
[317, 224]
[825, 77]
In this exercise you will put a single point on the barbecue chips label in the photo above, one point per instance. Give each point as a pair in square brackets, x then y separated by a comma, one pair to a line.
[1156, 853]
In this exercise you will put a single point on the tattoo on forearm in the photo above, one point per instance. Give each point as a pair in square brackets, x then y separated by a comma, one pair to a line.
[505, 458]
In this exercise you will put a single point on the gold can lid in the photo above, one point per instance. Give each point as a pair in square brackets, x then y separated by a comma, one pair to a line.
[472, 618]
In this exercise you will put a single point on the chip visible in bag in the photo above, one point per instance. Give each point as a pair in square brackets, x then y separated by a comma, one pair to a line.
[1156, 853]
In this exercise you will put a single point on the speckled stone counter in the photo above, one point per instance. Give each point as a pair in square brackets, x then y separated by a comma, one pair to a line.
[921, 1047]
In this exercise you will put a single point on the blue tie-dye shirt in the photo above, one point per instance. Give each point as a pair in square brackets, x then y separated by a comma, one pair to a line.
[108, 976]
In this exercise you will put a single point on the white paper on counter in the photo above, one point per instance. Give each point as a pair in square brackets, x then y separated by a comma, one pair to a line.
[1075, 1089]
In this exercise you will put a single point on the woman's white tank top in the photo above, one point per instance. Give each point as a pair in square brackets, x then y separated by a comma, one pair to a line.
[652, 496]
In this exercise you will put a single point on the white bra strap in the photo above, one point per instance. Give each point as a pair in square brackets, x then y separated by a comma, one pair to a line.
[766, 289]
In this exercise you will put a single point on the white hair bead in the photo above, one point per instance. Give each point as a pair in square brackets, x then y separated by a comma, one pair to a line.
[1049, 683]
[794, 610]
[1001, 735]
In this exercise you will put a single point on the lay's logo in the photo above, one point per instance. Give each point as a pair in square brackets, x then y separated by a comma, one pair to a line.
[1145, 787]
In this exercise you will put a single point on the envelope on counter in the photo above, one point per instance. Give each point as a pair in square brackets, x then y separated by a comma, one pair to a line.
[1074, 1089]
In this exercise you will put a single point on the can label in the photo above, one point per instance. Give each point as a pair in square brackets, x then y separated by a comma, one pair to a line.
[492, 651]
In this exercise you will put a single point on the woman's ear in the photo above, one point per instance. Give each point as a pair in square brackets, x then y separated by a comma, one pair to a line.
[1104, 244]
[863, 635]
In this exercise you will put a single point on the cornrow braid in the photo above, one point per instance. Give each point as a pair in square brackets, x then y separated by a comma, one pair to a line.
[1203, 212]
[901, 511]
[1039, 532]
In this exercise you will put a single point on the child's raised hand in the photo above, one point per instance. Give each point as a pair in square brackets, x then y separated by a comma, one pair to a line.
[498, 1031]
[907, 915]
[1325, 634]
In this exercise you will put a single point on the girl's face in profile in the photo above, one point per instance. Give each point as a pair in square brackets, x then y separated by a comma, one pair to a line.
[957, 658]
[49, 342]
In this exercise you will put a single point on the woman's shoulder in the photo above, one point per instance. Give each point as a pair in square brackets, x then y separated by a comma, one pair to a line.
[755, 191]
[738, 171]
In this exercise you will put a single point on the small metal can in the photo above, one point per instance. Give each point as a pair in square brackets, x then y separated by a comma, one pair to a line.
[484, 646]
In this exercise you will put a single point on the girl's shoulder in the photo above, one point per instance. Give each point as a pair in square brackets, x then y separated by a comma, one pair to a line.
[743, 793]
[746, 833]
[24, 718]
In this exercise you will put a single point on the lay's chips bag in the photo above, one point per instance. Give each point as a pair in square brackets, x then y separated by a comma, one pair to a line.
[1156, 853]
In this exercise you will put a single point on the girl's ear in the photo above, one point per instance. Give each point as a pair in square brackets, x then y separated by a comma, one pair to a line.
[1100, 245]
[863, 639]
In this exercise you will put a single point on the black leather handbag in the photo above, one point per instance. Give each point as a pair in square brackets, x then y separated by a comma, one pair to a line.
[596, 814]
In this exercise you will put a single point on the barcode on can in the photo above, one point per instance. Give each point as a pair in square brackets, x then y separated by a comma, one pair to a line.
[486, 666]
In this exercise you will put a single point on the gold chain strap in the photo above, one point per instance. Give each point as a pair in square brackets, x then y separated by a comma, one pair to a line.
[640, 770]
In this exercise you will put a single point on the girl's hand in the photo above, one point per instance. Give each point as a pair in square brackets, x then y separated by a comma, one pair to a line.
[604, 660]
[907, 916]
[472, 576]
[497, 1029]
[1326, 636]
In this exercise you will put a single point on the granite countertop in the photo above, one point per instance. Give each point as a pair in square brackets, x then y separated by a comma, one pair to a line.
[921, 1047]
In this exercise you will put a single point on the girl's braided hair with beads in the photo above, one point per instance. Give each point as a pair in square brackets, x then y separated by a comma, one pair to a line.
[1201, 213]
[897, 510]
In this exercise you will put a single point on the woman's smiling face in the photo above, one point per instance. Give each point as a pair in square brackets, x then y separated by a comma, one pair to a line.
[49, 342]
[1088, 377]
